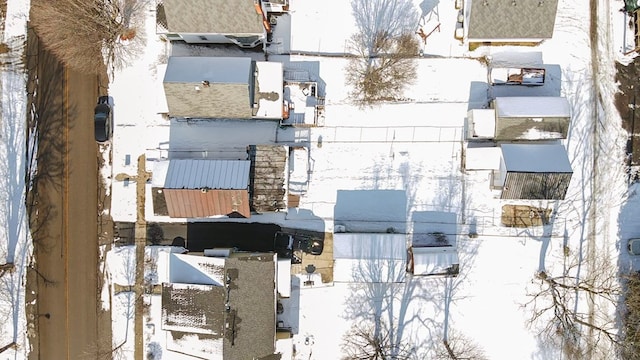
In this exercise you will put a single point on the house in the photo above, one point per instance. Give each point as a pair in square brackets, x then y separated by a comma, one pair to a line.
[509, 22]
[520, 118]
[240, 22]
[221, 307]
[533, 172]
[223, 88]
[203, 188]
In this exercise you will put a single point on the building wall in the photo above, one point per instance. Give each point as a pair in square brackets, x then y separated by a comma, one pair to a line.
[535, 186]
[530, 128]
[186, 99]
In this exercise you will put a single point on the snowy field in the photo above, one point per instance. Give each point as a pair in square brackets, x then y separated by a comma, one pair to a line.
[414, 147]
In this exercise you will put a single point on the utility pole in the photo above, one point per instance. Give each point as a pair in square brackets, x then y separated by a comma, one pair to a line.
[140, 241]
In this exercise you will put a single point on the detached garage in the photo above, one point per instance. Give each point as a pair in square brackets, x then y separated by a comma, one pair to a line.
[369, 257]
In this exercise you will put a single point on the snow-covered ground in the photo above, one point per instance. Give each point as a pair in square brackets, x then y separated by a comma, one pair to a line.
[15, 239]
[414, 147]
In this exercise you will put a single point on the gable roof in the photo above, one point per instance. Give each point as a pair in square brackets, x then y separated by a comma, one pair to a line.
[532, 106]
[211, 17]
[536, 158]
[192, 203]
[207, 174]
[501, 20]
[216, 70]
[236, 318]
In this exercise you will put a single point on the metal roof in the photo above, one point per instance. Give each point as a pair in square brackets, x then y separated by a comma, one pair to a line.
[188, 203]
[536, 158]
[208, 174]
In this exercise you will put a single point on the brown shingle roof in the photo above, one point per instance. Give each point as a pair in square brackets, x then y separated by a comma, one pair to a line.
[212, 17]
[501, 20]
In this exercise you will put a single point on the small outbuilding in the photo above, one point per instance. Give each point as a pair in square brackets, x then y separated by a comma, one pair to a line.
[521, 118]
[204, 188]
[533, 171]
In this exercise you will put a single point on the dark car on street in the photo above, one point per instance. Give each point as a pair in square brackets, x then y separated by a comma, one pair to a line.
[103, 120]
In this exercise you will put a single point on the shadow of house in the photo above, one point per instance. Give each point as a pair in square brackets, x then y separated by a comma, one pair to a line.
[240, 22]
[221, 308]
[533, 172]
[509, 22]
[520, 118]
[223, 88]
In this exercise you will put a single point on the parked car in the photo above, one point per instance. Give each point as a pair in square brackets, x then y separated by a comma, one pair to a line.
[633, 246]
[103, 120]
[310, 246]
[288, 245]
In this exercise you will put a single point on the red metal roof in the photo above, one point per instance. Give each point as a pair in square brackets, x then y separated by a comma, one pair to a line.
[191, 203]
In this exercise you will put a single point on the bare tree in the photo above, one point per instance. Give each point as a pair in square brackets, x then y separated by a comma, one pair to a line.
[381, 73]
[373, 342]
[86, 34]
[561, 322]
[457, 346]
[384, 49]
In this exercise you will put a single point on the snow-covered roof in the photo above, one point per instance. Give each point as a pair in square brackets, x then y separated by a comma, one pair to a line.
[209, 174]
[269, 90]
[481, 124]
[433, 260]
[506, 59]
[550, 158]
[369, 246]
[191, 269]
[482, 157]
[369, 257]
[532, 106]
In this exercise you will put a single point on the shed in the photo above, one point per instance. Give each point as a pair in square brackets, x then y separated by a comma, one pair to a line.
[369, 257]
[223, 88]
[533, 171]
[433, 260]
[531, 118]
[204, 188]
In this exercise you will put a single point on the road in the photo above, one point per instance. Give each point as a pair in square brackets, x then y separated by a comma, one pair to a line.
[67, 316]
